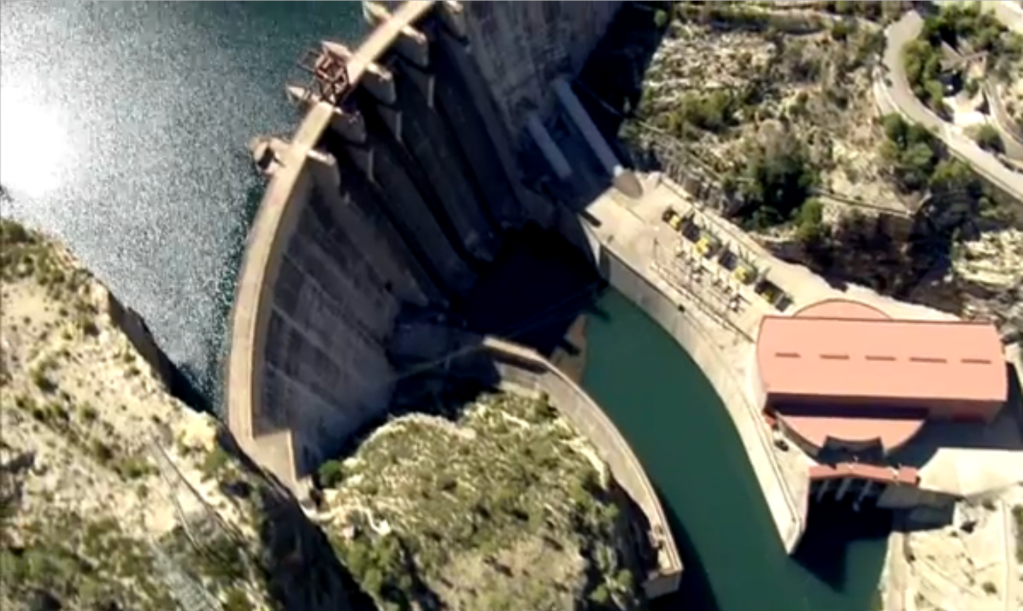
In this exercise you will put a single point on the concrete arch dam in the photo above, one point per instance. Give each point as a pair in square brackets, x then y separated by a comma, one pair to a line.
[393, 195]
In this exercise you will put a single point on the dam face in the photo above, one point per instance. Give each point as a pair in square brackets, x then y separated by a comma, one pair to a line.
[394, 197]
[384, 210]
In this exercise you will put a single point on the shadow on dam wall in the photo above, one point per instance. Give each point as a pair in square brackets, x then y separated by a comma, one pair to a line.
[612, 78]
[538, 285]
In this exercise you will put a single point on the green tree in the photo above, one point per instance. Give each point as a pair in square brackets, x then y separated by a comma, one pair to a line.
[810, 222]
[895, 129]
[331, 473]
[952, 176]
[660, 19]
[915, 166]
[778, 179]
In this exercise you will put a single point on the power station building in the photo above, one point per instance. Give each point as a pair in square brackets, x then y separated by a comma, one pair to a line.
[844, 376]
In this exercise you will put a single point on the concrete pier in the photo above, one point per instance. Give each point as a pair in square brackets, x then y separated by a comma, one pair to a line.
[429, 141]
[586, 127]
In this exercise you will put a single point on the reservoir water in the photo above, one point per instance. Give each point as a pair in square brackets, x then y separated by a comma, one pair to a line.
[123, 131]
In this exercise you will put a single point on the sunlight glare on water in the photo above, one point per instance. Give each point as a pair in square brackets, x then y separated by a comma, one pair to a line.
[122, 132]
[34, 143]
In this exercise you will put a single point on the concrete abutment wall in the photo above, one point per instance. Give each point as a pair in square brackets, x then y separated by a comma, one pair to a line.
[789, 514]
[525, 371]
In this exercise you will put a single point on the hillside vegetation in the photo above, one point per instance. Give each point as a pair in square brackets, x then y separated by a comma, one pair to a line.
[113, 494]
[967, 29]
[504, 508]
[770, 104]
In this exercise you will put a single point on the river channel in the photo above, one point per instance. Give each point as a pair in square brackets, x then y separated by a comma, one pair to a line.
[685, 438]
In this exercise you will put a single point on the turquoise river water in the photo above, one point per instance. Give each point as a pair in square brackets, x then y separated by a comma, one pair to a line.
[123, 129]
[685, 438]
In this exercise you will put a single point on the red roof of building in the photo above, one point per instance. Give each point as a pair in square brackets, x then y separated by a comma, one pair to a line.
[890, 432]
[875, 358]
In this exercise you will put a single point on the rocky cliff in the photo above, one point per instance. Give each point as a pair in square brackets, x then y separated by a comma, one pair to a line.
[114, 494]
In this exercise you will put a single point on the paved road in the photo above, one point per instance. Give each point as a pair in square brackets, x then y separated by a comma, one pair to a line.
[899, 95]
[1009, 13]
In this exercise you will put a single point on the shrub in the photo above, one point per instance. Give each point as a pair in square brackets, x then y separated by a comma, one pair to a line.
[989, 139]
[102, 451]
[42, 380]
[237, 601]
[841, 30]
[777, 182]
[660, 19]
[911, 151]
[133, 467]
[713, 112]
[954, 176]
[600, 596]
[989, 588]
[214, 461]
[331, 473]
[809, 222]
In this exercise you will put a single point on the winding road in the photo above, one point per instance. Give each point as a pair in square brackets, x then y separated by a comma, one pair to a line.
[894, 94]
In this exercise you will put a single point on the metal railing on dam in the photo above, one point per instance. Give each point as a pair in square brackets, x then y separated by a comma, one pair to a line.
[523, 369]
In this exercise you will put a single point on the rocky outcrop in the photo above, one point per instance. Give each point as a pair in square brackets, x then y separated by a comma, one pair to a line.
[499, 505]
[989, 272]
[114, 494]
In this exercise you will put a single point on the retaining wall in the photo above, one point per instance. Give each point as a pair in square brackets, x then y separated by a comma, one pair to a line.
[788, 514]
